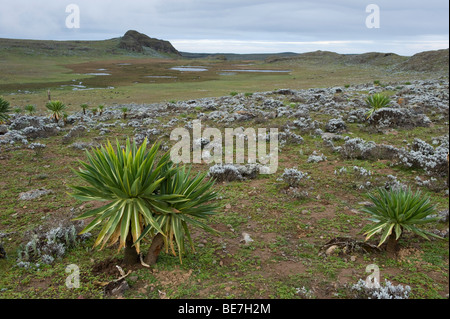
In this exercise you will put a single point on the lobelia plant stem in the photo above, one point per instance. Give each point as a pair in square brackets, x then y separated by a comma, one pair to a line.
[154, 250]
[392, 246]
[131, 256]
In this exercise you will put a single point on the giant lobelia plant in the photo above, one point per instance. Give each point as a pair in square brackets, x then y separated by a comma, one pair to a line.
[395, 211]
[144, 195]
[194, 202]
[376, 102]
[56, 108]
[4, 109]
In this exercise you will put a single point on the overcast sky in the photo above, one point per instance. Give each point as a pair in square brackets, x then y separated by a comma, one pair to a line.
[240, 26]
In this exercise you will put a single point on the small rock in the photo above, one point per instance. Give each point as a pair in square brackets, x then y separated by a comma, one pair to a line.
[33, 194]
[330, 250]
[3, 129]
[366, 204]
[246, 238]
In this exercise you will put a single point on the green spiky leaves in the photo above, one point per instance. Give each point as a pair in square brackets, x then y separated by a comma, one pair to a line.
[397, 210]
[376, 102]
[145, 195]
[56, 108]
[4, 109]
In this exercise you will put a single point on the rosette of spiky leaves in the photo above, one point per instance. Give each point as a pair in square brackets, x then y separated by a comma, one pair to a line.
[128, 179]
[56, 108]
[376, 102]
[397, 210]
[30, 108]
[194, 206]
[4, 109]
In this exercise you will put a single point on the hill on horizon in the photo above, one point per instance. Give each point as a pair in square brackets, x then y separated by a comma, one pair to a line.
[426, 61]
[136, 44]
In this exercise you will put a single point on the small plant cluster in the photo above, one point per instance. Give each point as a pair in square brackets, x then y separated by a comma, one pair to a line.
[387, 291]
[287, 137]
[230, 172]
[425, 156]
[314, 158]
[304, 293]
[336, 126]
[394, 184]
[297, 194]
[46, 247]
[37, 148]
[357, 173]
[357, 148]
[4, 110]
[293, 177]
[376, 102]
[306, 124]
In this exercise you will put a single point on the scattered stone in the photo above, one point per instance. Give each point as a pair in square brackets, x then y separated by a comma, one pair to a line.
[330, 250]
[33, 194]
[246, 238]
[3, 129]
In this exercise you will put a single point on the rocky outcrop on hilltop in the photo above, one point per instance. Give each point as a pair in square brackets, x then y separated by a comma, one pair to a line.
[139, 42]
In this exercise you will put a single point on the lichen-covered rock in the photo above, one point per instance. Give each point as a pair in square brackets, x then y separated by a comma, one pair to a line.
[3, 129]
[398, 118]
[33, 194]
[357, 148]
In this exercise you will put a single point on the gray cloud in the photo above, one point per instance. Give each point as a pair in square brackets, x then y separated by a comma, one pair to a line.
[406, 27]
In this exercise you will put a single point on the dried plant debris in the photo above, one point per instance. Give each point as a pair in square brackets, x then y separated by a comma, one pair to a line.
[343, 246]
